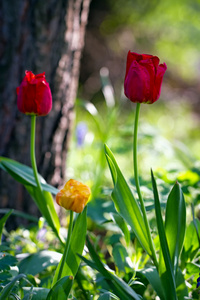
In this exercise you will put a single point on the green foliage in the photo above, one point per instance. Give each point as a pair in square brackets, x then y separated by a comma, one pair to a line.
[37, 262]
[25, 176]
[61, 289]
[3, 221]
[119, 287]
[125, 203]
[76, 246]
[167, 276]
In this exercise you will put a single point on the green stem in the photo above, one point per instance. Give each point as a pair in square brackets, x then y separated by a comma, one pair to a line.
[66, 245]
[33, 160]
[41, 200]
[137, 183]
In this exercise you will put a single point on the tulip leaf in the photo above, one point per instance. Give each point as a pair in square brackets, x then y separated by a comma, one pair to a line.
[35, 293]
[37, 262]
[5, 292]
[3, 221]
[121, 258]
[167, 278]
[24, 174]
[181, 288]
[118, 286]
[77, 243]
[46, 207]
[191, 243]
[125, 202]
[61, 289]
[154, 279]
[106, 296]
[123, 226]
[175, 225]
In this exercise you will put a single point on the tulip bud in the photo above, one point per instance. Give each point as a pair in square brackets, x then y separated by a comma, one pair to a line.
[143, 77]
[34, 95]
[74, 196]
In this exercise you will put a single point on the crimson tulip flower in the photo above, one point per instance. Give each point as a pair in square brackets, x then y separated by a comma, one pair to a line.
[34, 95]
[143, 77]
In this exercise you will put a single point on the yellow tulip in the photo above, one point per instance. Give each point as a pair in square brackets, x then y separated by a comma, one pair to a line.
[74, 196]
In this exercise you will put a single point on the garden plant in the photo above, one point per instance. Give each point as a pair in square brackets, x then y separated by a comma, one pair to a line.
[127, 248]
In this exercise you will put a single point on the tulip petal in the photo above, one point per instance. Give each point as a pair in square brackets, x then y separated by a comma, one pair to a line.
[140, 81]
[150, 68]
[132, 56]
[34, 95]
[143, 77]
[158, 81]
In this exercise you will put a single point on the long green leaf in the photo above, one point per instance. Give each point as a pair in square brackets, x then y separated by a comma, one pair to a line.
[125, 203]
[175, 226]
[121, 258]
[3, 221]
[77, 243]
[61, 289]
[122, 225]
[191, 243]
[181, 288]
[46, 208]
[153, 277]
[167, 278]
[24, 174]
[120, 288]
[8, 288]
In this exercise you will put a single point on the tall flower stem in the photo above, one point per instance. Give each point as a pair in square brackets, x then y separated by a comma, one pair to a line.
[66, 245]
[41, 199]
[33, 160]
[137, 183]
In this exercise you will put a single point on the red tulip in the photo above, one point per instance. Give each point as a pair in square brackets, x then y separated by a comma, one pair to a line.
[143, 77]
[34, 95]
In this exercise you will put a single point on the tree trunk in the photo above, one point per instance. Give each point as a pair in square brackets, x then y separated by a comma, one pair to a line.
[38, 36]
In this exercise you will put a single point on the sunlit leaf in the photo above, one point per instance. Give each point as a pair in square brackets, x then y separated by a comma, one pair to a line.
[125, 203]
[191, 243]
[154, 279]
[121, 258]
[61, 289]
[118, 286]
[175, 225]
[181, 288]
[46, 207]
[167, 278]
[77, 243]
[37, 262]
[123, 226]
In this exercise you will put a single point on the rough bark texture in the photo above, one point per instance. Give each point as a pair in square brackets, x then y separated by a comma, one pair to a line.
[38, 36]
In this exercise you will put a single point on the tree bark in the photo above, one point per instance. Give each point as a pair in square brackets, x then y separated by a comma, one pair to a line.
[38, 36]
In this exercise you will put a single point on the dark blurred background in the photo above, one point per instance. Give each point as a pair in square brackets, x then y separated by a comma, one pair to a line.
[168, 29]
